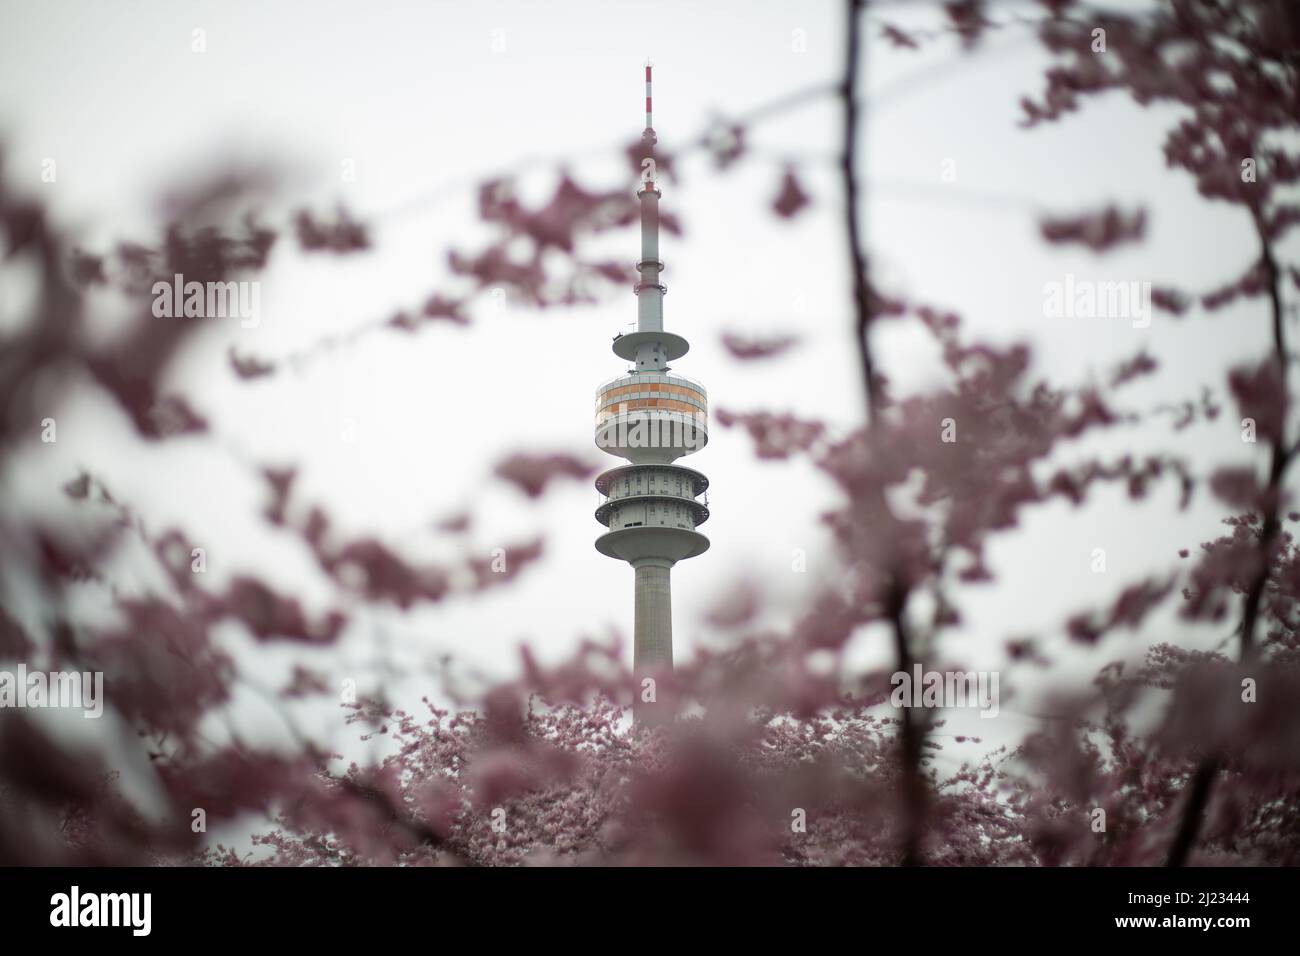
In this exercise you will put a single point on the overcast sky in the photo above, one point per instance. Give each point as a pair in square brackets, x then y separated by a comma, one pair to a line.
[426, 99]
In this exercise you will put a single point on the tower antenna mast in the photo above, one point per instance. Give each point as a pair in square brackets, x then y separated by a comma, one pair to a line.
[649, 111]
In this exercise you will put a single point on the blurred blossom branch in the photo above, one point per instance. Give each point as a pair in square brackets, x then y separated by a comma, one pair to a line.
[784, 752]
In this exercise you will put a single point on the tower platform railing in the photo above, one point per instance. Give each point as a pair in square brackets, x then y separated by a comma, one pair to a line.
[650, 377]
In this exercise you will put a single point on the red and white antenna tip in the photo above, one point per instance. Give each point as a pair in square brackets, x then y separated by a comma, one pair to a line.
[649, 112]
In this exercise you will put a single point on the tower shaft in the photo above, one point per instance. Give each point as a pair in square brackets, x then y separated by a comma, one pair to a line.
[650, 304]
[653, 632]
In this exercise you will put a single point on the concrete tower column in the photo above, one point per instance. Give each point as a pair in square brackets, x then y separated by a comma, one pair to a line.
[650, 307]
[653, 632]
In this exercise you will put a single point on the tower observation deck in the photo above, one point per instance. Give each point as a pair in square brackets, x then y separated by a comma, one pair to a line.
[651, 417]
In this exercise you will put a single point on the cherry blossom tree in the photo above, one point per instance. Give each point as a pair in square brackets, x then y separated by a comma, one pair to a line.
[781, 751]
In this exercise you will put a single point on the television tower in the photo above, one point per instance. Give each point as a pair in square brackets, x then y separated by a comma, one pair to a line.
[651, 417]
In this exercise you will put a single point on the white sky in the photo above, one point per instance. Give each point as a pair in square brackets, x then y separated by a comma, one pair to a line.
[414, 95]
